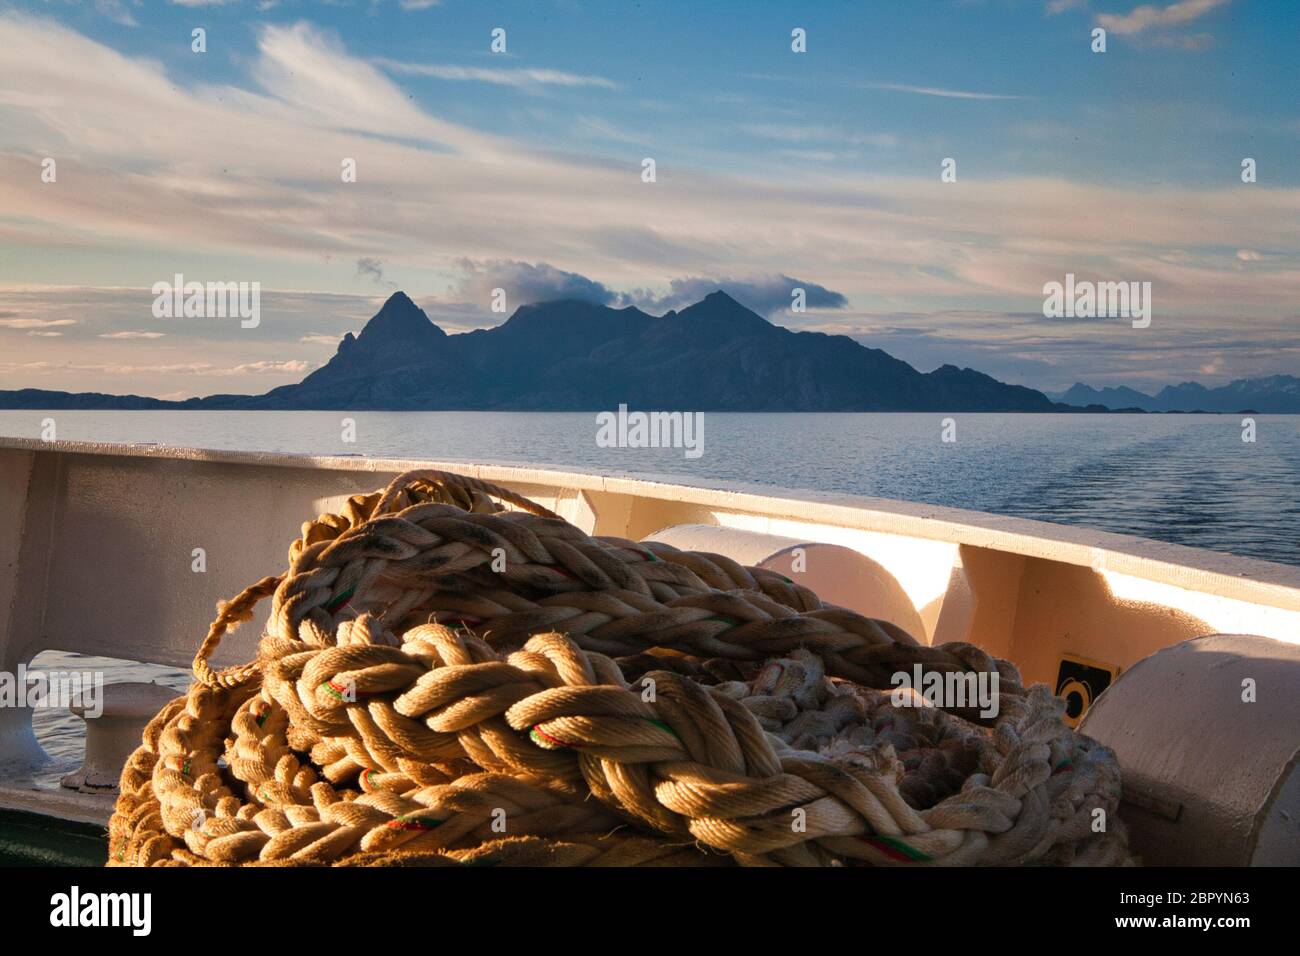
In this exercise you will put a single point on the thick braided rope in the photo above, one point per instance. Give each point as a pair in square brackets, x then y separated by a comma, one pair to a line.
[346, 743]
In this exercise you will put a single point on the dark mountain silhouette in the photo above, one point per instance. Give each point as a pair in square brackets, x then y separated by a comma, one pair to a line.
[1276, 394]
[44, 398]
[715, 355]
[1122, 397]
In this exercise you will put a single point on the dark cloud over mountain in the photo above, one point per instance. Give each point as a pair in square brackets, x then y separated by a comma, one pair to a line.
[526, 283]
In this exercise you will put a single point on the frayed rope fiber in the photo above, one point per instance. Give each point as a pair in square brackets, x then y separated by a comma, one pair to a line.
[590, 701]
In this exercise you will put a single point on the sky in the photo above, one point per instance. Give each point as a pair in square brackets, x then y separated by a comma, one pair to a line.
[522, 169]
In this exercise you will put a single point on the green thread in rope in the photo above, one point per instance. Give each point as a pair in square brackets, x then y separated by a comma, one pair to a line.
[341, 599]
[724, 619]
[349, 695]
[546, 741]
[898, 850]
[662, 726]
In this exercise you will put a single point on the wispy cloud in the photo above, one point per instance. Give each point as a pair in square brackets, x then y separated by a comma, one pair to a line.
[321, 338]
[308, 71]
[1150, 16]
[131, 334]
[938, 91]
[295, 366]
[531, 80]
[34, 323]
[116, 11]
[607, 130]
[372, 267]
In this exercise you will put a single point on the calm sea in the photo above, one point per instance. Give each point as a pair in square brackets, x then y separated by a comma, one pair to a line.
[1188, 479]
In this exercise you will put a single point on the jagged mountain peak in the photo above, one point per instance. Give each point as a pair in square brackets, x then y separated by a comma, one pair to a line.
[401, 320]
[720, 309]
[720, 303]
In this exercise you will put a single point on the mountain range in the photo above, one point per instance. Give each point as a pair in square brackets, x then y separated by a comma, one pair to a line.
[570, 355]
[715, 355]
[1277, 394]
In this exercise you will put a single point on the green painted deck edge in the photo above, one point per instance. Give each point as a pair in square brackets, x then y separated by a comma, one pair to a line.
[30, 839]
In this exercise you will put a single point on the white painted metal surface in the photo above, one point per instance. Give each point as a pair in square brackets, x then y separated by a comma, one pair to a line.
[113, 730]
[1208, 737]
[839, 575]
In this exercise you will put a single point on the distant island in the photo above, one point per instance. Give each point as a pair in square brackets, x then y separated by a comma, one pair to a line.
[1275, 394]
[715, 355]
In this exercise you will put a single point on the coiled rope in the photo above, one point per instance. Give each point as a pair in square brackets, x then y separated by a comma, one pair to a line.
[444, 681]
